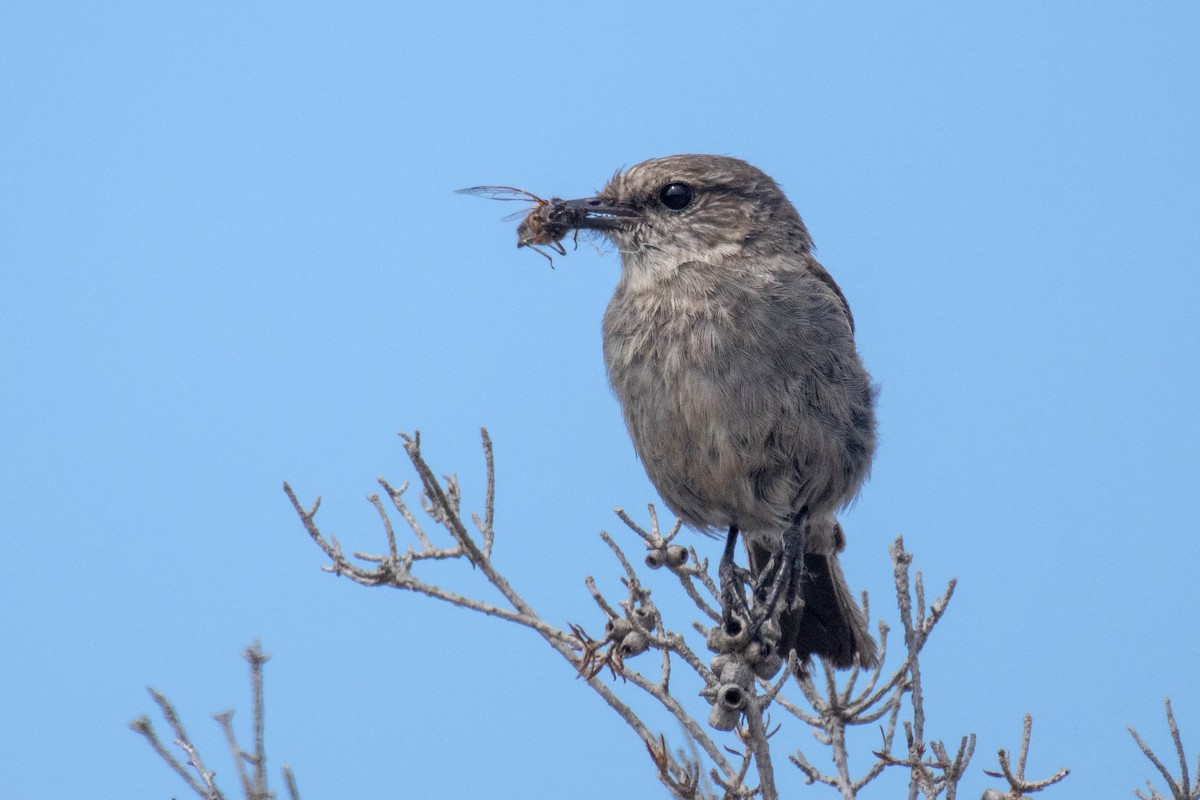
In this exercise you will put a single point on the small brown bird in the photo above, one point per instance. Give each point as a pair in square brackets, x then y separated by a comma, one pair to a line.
[731, 350]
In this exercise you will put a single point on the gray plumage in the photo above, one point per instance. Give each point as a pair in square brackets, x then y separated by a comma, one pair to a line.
[732, 352]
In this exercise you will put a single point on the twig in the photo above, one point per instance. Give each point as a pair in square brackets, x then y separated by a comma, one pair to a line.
[1181, 788]
[1017, 783]
[633, 625]
[203, 783]
[225, 720]
[143, 726]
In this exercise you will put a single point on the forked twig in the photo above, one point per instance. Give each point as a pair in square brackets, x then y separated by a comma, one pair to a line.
[202, 780]
[1181, 787]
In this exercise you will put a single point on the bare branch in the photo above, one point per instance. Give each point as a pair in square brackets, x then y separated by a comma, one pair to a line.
[1017, 783]
[255, 655]
[738, 681]
[203, 783]
[143, 726]
[1181, 787]
[225, 720]
[290, 780]
[211, 792]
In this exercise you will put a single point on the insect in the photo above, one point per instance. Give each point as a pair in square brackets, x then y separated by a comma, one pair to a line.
[545, 224]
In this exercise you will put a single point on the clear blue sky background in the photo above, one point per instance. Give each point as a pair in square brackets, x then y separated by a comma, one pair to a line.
[231, 256]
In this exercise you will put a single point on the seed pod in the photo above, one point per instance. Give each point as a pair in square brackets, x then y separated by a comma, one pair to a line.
[729, 636]
[634, 643]
[732, 697]
[677, 556]
[736, 673]
[758, 651]
[769, 667]
[727, 709]
[644, 615]
[617, 629]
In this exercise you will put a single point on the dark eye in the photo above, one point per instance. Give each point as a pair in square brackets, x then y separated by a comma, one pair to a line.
[676, 196]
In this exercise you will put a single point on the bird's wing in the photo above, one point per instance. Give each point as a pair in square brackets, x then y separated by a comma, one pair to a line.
[824, 277]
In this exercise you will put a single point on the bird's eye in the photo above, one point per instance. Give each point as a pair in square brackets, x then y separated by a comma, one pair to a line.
[676, 196]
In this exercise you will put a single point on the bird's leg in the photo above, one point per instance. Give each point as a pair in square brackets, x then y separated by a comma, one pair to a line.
[787, 577]
[733, 597]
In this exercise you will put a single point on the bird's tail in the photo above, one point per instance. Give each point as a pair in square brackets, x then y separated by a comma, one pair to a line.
[829, 623]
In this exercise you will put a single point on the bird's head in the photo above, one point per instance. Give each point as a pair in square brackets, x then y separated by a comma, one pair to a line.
[691, 208]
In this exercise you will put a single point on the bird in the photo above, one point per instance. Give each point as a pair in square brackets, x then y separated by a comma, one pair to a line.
[731, 350]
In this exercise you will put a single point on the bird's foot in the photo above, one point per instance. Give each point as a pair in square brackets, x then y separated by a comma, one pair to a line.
[752, 627]
[733, 580]
[778, 587]
[735, 610]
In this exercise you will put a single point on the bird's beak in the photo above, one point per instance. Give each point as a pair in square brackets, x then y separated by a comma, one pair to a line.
[592, 213]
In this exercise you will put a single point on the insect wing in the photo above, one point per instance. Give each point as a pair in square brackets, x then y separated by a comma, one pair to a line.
[501, 193]
[506, 193]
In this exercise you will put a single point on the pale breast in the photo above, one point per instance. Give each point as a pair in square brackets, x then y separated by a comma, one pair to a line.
[745, 400]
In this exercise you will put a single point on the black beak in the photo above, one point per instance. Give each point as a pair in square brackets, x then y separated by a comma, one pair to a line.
[592, 213]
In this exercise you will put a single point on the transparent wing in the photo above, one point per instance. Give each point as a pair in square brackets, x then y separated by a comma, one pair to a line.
[505, 193]
[501, 193]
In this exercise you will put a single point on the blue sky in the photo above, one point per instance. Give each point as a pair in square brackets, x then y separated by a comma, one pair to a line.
[231, 256]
